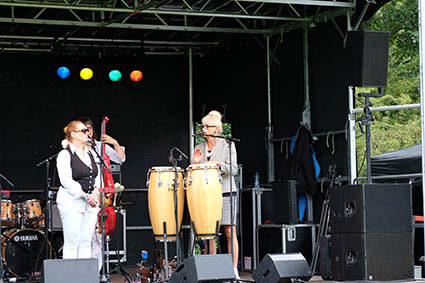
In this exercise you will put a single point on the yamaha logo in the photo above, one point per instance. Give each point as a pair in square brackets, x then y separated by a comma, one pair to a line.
[26, 238]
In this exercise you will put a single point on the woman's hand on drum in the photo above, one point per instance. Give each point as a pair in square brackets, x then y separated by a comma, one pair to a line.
[197, 156]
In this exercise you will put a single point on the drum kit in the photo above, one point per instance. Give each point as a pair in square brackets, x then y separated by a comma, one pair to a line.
[23, 239]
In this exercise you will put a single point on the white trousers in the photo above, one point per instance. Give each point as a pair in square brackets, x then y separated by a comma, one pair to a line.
[78, 229]
[96, 248]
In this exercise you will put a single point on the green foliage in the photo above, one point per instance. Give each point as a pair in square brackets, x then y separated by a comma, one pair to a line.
[227, 132]
[393, 130]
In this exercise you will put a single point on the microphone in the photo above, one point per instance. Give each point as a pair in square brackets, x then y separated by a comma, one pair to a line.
[184, 155]
[200, 133]
[91, 142]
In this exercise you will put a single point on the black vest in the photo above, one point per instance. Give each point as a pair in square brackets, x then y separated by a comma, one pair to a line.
[83, 174]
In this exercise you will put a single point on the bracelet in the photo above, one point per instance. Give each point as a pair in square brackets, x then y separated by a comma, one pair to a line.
[85, 197]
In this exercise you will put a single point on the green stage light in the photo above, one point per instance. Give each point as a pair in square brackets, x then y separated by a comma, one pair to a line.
[115, 75]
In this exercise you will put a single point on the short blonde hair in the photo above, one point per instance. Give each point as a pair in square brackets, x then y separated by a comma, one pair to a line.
[215, 113]
[213, 120]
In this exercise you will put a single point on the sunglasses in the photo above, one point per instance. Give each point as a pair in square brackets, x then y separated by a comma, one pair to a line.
[85, 130]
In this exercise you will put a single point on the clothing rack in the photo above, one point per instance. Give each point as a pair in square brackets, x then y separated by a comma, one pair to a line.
[330, 133]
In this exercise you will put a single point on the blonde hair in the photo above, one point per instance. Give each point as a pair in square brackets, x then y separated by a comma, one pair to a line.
[71, 127]
[215, 114]
[213, 120]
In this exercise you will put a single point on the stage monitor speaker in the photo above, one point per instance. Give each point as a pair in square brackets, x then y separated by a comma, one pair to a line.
[70, 271]
[204, 268]
[285, 205]
[275, 268]
[372, 256]
[367, 58]
[370, 208]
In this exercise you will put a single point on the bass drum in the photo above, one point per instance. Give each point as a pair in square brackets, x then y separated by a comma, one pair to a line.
[23, 251]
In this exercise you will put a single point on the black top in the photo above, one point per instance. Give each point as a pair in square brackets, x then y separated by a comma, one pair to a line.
[83, 174]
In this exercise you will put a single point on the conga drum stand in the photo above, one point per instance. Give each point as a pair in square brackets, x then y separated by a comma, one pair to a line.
[174, 161]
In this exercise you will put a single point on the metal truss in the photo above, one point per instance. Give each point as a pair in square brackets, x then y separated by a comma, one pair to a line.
[162, 21]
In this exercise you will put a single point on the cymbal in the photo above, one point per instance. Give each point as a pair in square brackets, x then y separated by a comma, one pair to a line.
[126, 203]
[54, 188]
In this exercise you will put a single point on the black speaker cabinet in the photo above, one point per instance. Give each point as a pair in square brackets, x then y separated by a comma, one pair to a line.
[370, 208]
[372, 256]
[367, 58]
[285, 204]
[54, 222]
[204, 268]
[70, 271]
[275, 268]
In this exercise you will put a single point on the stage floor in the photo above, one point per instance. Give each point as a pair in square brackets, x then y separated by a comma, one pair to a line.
[245, 277]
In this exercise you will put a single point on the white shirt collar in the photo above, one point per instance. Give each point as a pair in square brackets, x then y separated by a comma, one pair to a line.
[73, 148]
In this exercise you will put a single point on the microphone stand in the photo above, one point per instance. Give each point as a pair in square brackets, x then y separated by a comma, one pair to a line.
[47, 198]
[1, 197]
[174, 161]
[229, 143]
[103, 277]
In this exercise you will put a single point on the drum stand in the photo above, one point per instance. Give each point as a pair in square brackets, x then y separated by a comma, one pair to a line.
[174, 161]
[1, 197]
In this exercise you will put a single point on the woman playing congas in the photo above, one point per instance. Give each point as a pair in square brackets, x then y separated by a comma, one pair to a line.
[216, 151]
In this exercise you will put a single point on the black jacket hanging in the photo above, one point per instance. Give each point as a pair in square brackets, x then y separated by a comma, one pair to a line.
[302, 166]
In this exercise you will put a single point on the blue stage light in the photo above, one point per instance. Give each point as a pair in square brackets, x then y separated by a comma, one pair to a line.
[63, 72]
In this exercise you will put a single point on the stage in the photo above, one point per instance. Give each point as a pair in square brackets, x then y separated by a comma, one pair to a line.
[245, 277]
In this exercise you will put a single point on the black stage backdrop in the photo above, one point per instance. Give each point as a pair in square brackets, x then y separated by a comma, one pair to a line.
[151, 116]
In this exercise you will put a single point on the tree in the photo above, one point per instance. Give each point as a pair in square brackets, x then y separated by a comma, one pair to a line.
[393, 130]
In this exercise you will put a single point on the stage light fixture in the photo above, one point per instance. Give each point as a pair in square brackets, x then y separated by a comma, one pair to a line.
[63, 72]
[136, 75]
[115, 75]
[86, 74]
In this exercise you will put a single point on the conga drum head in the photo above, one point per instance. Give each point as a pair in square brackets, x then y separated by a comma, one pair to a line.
[21, 249]
[161, 200]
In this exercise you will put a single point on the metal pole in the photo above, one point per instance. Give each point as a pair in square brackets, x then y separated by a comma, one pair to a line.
[270, 145]
[421, 4]
[191, 126]
[352, 162]
[306, 111]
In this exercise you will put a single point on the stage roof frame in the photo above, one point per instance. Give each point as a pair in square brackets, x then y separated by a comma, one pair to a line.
[158, 26]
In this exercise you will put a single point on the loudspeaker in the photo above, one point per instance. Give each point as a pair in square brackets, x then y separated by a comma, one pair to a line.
[325, 257]
[372, 256]
[275, 268]
[204, 268]
[55, 222]
[285, 205]
[70, 271]
[367, 58]
[370, 208]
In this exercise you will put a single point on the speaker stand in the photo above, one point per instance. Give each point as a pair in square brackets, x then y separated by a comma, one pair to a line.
[366, 120]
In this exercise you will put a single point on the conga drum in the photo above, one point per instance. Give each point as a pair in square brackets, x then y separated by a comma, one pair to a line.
[161, 201]
[204, 198]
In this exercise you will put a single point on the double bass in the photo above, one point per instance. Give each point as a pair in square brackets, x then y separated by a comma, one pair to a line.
[108, 187]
